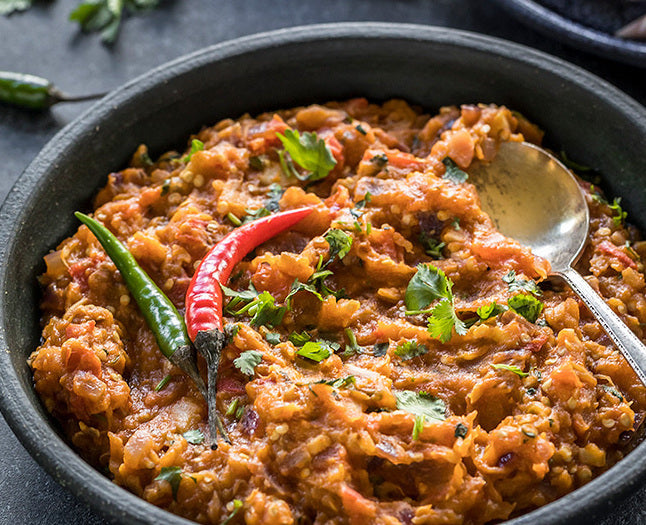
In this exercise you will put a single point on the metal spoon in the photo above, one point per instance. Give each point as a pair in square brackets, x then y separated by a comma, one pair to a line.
[533, 198]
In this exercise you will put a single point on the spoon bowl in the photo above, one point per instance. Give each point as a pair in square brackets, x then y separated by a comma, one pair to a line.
[535, 199]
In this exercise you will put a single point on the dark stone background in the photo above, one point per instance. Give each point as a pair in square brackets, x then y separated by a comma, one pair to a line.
[41, 41]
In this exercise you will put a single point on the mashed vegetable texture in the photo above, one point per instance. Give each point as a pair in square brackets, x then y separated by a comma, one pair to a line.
[400, 364]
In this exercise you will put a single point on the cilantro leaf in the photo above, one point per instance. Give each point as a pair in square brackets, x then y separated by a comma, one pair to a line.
[196, 145]
[237, 505]
[252, 215]
[410, 349]
[526, 305]
[432, 246]
[274, 195]
[351, 347]
[380, 349]
[521, 285]
[453, 173]
[9, 6]
[341, 382]
[309, 152]
[106, 15]
[418, 426]
[262, 308]
[298, 286]
[490, 310]
[461, 430]
[620, 214]
[173, 475]
[317, 350]
[299, 339]
[421, 404]
[248, 361]
[194, 437]
[340, 243]
[511, 368]
[427, 285]
[442, 321]
[272, 338]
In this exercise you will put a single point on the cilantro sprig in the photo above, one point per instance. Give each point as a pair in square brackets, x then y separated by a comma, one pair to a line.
[428, 285]
[106, 15]
[172, 475]
[453, 173]
[317, 350]
[521, 285]
[408, 350]
[260, 306]
[248, 361]
[526, 305]
[422, 405]
[309, 152]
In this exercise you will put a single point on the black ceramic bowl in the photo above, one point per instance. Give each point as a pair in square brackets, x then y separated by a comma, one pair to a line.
[586, 24]
[591, 120]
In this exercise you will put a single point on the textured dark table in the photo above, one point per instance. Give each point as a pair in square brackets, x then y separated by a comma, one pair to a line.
[41, 41]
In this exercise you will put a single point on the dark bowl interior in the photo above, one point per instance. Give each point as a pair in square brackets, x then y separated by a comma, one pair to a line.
[592, 121]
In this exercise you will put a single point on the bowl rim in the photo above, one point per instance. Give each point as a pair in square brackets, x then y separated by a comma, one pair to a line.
[555, 25]
[61, 462]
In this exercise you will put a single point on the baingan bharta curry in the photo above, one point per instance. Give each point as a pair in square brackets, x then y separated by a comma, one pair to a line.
[388, 358]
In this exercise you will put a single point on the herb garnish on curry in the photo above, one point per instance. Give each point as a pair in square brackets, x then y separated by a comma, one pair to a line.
[388, 358]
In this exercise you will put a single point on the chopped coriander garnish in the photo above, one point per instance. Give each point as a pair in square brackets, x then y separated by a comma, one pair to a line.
[237, 505]
[233, 219]
[380, 160]
[410, 349]
[196, 145]
[612, 391]
[521, 285]
[360, 129]
[341, 382]
[273, 197]
[272, 338]
[299, 339]
[173, 475]
[418, 426]
[380, 349]
[428, 285]
[257, 162]
[619, 214]
[195, 437]
[490, 310]
[421, 404]
[163, 383]
[262, 307]
[510, 368]
[298, 286]
[9, 6]
[309, 152]
[456, 223]
[351, 347]
[248, 361]
[252, 215]
[526, 305]
[461, 430]
[528, 433]
[432, 246]
[317, 350]
[231, 410]
[453, 173]
[340, 243]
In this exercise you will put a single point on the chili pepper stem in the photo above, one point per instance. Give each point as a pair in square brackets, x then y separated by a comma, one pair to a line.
[210, 344]
[184, 358]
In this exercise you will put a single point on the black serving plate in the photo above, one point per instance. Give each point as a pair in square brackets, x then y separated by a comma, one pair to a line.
[593, 121]
[586, 24]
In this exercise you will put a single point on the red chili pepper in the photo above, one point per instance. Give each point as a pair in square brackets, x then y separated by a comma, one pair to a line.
[204, 295]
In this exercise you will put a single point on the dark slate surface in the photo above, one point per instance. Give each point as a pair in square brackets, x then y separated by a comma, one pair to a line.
[42, 41]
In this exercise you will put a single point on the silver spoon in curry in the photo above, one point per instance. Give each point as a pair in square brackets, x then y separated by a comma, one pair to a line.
[552, 222]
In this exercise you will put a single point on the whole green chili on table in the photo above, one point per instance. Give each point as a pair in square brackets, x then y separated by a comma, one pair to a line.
[160, 313]
[30, 91]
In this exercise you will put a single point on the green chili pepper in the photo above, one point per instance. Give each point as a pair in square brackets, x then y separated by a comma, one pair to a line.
[29, 91]
[160, 313]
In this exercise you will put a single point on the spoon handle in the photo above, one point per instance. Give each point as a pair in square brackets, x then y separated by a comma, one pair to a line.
[623, 337]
